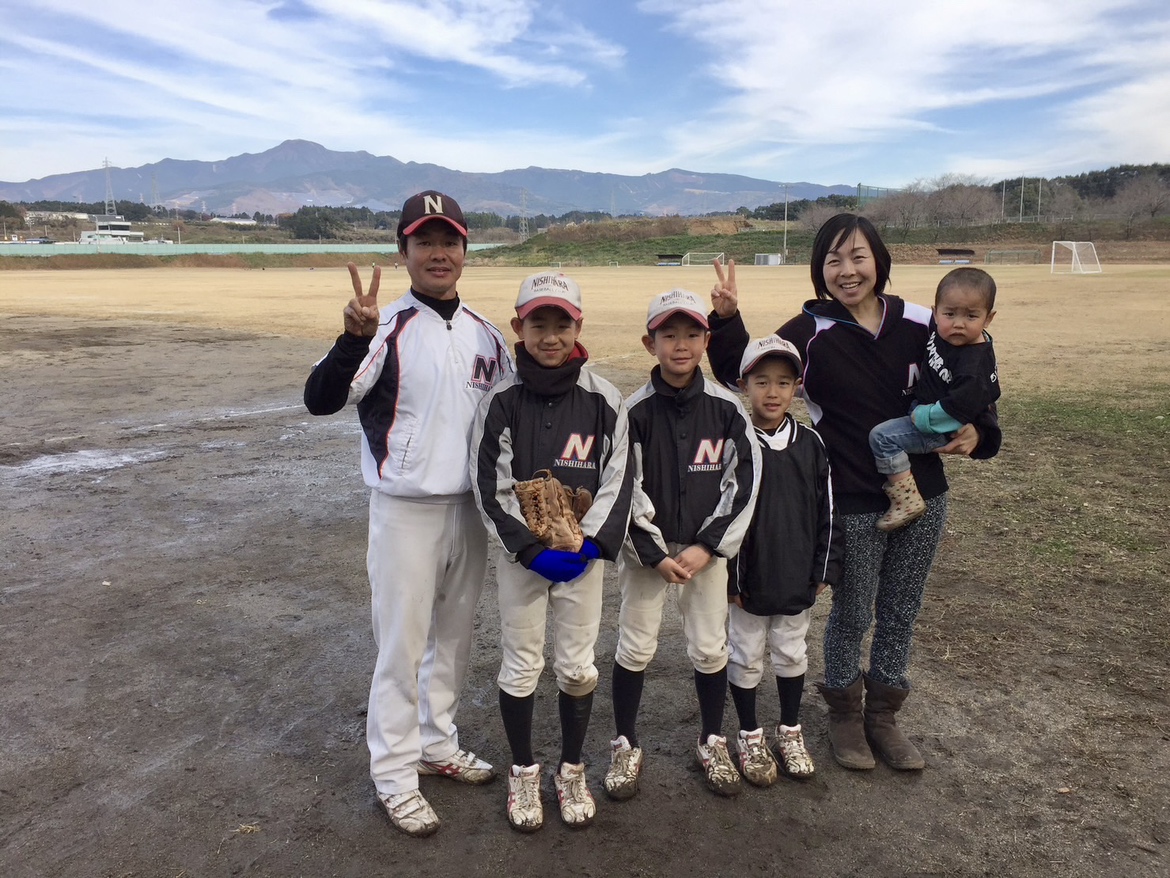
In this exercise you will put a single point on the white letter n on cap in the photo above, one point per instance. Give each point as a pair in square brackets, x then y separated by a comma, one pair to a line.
[432, 204]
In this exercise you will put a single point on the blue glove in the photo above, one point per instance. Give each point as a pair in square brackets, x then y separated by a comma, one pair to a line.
[590, 550]
[557, 566]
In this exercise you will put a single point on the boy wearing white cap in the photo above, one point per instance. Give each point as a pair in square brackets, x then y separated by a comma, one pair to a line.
[555, 415]
[697, 468]
[792, 550]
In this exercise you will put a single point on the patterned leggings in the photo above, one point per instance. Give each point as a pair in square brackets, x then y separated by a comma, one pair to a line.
[882, 581]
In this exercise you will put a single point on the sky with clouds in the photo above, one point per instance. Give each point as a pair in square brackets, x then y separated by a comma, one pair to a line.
[884, 92]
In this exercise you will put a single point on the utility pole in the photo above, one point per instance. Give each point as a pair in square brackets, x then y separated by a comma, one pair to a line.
[785, 223]
[111, 208]
[523, 214]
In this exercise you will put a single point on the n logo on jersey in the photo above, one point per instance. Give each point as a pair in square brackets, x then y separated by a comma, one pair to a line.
[577, 451]
[709, 452]
[709, 456]
[484, 372]
[578, 447]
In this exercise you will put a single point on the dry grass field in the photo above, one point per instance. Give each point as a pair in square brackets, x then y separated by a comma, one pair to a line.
[184, 613]
[1094, 326]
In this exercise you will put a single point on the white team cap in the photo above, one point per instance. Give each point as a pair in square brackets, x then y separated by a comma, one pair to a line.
[769, 346]
[666, 304]
[549, 288]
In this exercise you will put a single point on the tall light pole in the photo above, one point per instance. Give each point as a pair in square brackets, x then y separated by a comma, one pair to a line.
[785, 223]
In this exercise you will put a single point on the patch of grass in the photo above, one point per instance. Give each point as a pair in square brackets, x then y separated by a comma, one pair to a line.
[1066, 527]
[1144, 409]
[742, 247]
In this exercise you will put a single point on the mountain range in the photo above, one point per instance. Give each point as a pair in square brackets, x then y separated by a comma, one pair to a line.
[298, 173]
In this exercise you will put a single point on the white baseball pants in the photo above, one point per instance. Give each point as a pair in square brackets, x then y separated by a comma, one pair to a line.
[426, 561]
[702, 602]
[576, 610]
[750, 635]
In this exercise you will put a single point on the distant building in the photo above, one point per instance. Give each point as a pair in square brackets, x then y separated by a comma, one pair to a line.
[111, 230]
[52, 216]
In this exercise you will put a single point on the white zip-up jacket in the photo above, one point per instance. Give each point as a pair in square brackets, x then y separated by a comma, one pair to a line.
[417, 384]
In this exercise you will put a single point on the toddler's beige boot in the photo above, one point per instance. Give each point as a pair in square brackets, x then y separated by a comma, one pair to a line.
[906, 504]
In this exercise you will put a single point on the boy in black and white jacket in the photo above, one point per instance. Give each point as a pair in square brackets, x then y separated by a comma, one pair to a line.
[696, 473]
[792, 551]
[552, 414]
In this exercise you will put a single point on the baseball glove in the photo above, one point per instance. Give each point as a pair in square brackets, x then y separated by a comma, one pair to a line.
[553, 512]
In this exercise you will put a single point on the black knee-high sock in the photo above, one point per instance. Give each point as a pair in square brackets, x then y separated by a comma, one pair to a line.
[790, 690]
[575, 712]
[745, 706]
[517, 716]
[627, 696]
[712, 692]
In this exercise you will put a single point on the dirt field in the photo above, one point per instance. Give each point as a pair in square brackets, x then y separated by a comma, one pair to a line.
[185, 625]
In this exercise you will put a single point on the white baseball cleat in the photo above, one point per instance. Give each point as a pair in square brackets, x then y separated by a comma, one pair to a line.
[525, 811]
[577, 805]
[411, 813]
[625, 767]
[462, 765]
[720, 770]
[794, 756]
[756, 762]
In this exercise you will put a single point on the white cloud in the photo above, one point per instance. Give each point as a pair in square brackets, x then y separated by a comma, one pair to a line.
[774, 88]
[851, 73]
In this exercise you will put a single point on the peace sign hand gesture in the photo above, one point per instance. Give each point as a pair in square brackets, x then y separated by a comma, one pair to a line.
[724, 295]
[361, 314]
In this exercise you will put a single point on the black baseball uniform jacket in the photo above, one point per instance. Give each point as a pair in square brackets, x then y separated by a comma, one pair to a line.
[794, 541]
[697, 468]
[879, 372]
[565, 419]
[963, 380]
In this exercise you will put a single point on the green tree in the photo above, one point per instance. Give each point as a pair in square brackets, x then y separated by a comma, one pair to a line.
[311, 222]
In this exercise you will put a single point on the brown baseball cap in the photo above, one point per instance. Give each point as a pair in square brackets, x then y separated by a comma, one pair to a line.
[427, 206]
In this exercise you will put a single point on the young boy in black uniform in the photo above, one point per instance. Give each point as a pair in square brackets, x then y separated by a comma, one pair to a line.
[696, 474]
[958, 383]
[552, 414]
[792, 550]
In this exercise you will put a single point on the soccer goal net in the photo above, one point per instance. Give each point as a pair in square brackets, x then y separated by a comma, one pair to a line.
[769, 259]
[1074, 257]
[697, 258]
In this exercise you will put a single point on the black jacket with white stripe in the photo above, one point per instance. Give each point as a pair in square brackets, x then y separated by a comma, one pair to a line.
[795, 540]
[697, 468]
[565, 419]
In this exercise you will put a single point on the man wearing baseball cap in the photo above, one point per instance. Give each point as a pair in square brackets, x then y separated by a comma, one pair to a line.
[416, 370]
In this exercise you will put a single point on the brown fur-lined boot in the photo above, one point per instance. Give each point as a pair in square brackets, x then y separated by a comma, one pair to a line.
[906, 504]
[889, 742]
[846, 728]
